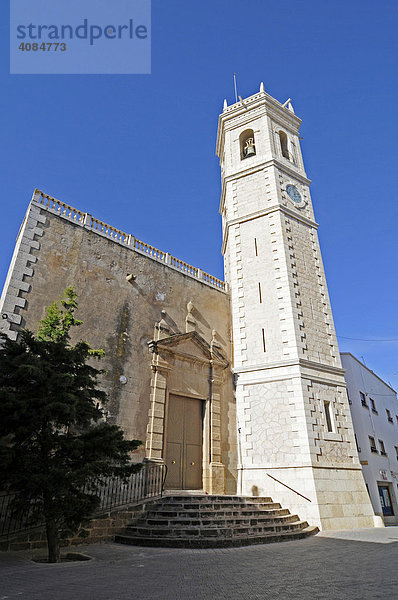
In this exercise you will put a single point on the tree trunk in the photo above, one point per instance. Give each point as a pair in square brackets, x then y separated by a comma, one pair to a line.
[52, 541]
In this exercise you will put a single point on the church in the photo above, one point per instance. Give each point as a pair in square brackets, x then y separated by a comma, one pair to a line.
[236, 385]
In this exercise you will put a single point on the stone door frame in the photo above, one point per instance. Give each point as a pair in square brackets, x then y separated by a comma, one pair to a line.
[169, 365]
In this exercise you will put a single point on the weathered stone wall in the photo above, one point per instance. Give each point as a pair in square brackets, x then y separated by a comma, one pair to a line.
[118, 315]
[102, 528]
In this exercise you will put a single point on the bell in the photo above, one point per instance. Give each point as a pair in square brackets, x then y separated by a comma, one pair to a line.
[250, 150]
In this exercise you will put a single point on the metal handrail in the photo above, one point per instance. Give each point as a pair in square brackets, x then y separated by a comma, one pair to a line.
[288, 487]
[114, 492]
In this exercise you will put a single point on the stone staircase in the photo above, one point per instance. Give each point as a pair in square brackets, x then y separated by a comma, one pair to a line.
[203, 521]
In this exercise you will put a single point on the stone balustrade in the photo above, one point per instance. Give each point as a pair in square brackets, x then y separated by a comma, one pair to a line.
[183, 266]
[59, 207]
[88, 221]
[149, 250]
[107, 230]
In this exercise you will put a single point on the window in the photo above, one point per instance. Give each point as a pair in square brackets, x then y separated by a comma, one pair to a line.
[328, 416]
[265, 349]
[246, 143]
[293, 154]
[373, 405]
[396, 451]
[389, 417]
[356, 442]
[284, 144]
[372, 443]
[382, 448]
[385, 500]
[363, 399]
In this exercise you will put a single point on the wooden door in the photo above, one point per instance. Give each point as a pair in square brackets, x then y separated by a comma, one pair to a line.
[184, 443]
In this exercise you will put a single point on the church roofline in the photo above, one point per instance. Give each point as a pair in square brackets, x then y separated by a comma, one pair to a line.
[54, 206]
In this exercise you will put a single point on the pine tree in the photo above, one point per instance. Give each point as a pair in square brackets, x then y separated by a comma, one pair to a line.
[55, 438]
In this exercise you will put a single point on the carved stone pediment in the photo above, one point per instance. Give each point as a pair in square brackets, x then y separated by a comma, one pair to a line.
[186, 365]
[190, 346]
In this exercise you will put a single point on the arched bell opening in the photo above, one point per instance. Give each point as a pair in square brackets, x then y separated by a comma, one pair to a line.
[284, 145]
[247, 144]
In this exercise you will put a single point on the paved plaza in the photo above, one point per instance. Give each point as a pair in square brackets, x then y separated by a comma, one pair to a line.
[355, 565]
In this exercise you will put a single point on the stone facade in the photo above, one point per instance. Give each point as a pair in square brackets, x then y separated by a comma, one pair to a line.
[295, 432]
[129, 295]
[276, 420]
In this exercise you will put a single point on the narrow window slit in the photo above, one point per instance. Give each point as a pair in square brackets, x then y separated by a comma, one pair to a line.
[329, 423]
[265, 350]
[259, 292]
[284, 144]
[255, 246]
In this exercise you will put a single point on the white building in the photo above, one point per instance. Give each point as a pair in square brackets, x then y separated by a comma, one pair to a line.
[296, 439]
[374, 410]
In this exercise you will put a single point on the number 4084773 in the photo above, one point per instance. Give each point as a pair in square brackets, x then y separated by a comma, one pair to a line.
[43, 47]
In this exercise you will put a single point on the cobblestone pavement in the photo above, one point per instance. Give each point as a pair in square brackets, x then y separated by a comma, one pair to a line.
[357, 565]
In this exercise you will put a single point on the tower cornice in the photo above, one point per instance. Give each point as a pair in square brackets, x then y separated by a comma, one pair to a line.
[273, 162]
[248, 104]
[299, 362]
[262, 213]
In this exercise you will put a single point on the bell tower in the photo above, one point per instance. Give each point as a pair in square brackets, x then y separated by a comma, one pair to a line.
[296, 440]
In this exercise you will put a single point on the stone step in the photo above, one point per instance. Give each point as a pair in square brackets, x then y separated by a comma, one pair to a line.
[173, 521]
[275, 508]
[212, 521]
[166, 511]
[184, 493]
[216, 542]
[256, 499]
[210, 506]
[219, 515]
[219, 498]
[212, 530]
[241, 500]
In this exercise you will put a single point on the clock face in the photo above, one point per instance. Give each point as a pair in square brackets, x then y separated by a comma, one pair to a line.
[293, 193]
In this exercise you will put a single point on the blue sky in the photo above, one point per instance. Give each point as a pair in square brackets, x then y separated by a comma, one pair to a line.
[138, 151]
